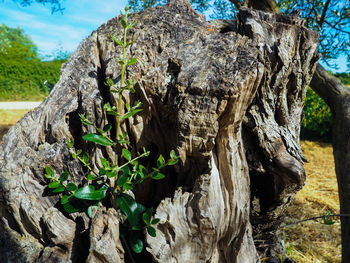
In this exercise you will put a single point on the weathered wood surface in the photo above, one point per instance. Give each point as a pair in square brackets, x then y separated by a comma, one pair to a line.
[227, 95]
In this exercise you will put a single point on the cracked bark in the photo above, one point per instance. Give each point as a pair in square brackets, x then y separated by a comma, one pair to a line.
[226, 95]
[337, 96]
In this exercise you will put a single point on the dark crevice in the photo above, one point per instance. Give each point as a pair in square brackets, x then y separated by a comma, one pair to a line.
[75, 127]
[81, 242]
[104, 89]
[173, 70]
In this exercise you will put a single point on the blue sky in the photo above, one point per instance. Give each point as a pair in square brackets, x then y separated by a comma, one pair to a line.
[51, 32]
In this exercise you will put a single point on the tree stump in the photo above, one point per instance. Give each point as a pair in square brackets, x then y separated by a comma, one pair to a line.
[226, 95]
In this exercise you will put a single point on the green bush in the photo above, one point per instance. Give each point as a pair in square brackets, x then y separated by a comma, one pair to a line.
[317, 121]
[23, 75]
[27, 80]
[344, 77]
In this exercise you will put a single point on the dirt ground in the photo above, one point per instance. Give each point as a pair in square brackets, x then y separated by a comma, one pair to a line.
[308, 242]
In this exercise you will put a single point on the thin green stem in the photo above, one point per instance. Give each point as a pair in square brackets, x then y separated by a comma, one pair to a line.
[120, 95]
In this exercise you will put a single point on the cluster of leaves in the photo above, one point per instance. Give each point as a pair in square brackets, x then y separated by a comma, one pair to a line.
[115, 179]
[317, 120]
[23, 74]
[344, 78]
[327, 220]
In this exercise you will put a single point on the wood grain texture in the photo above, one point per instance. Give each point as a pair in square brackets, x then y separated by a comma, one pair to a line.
[226, 95]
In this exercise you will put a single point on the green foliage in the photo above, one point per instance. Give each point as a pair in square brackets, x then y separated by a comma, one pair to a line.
[23, 76]
[344, 78]
[55, 4]
[115, 179]
[317, 121]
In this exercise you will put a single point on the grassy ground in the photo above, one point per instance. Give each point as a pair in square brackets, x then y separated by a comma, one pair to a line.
[9, 118]
[22, 96]
[309, 242]
[312, 241]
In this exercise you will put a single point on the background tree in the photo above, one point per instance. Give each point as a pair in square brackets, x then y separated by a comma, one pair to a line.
[14, 43]
[23, 73]
[55, 4]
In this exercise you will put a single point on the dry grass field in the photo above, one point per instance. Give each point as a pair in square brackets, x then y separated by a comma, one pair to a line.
[9, 118]
[313, 242]
[308, 242]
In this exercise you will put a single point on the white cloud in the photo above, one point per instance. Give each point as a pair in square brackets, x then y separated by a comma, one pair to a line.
[48, 31]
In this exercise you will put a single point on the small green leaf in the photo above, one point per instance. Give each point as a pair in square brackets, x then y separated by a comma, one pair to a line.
[146, 218]
[100, 131]
[49, 172]
[126, 154]
[122, 180]
[130, 43]
[90, 209]
[131, 113]
[136, 242]
[127, 8]
[71, 187]
[127, 106]
[69, 143]
[74, 155]
[172, 154]
[158, 176]
[155, 221]
[130, 25]
[111, 173]
[91, 177]
[116, 40]
[127, 187]
[79, 152]
[172, 162]
[160, 161]
[109, 82]
[65, 199]
[107, 127]
[88, 192]
[85, 120]
[123, 141]
[140, 208]
[129, 207]
[69, 208]
[98, 139]
[151, 231]
[59, 189]
[122, 61]
[54, 184]
[126, 170]
[85, 157]
[131, 61]
[105, 163]
[124, 22]
[63, 177]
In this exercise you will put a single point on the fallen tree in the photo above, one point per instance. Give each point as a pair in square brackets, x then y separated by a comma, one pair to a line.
[227, 95]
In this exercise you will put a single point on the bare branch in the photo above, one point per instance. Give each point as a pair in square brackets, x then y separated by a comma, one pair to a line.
[336, 28]
[322, 19]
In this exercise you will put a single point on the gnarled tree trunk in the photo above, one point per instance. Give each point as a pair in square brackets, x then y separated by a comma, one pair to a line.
[226, 95]
[337, 96]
